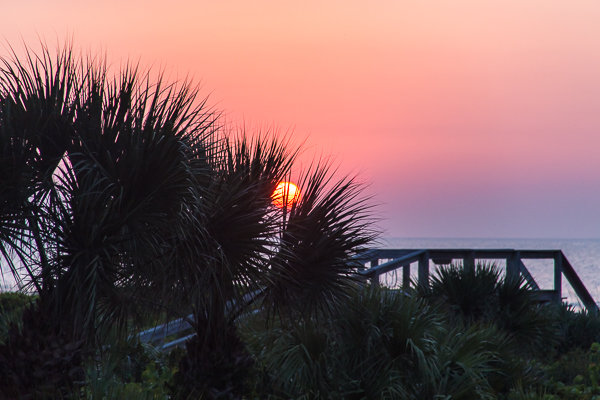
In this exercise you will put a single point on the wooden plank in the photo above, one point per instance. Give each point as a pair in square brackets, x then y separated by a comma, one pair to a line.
[578, 286]
[394, 253]
[381, 253]
[424, 271]
[477, 253]
[547, 296]
[407, 256]
[454, 254]
[512, 265]
[374, 262]
[160, 332]
[375, 276]
[525, 272]
[406, 277]
[540, 254]
[469, 261]
[393, 264]
[492, 253]
[558, 274]
[165, 348]
[374, 280]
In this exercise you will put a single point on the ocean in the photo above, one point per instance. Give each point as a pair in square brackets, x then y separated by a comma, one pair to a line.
[583, 254]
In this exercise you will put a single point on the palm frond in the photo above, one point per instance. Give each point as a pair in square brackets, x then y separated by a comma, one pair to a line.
[101, 174]
[468, 292]
[329, 224]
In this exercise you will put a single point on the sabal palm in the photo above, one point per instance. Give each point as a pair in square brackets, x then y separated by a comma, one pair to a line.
[95, 175]
[482, 295]
[114, 162]
[244, 250]
[121, 193]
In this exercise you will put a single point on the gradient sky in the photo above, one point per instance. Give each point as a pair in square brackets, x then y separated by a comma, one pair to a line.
[468, 118]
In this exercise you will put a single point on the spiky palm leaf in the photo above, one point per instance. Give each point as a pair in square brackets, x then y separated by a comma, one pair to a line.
[329, 224]
[99, 175]
[467, 292]
[342, 357]
[382, 345]
[35, 115]
[241, 245]
[223, 258]
[531, 325]
[483, 295]
[127, 182]
[463, 359]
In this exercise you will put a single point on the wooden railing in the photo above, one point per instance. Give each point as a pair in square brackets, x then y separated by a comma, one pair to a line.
[401, 258]
[158, 334]
[404, 258]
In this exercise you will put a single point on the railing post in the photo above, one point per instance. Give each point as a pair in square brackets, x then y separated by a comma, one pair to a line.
[469, 261]
[558, 275]
[375, 277]
[512, 265]
[424, 271]
[405, 277]
[375, 281]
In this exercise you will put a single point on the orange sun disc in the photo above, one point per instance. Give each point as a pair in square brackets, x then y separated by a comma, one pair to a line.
[285, 195]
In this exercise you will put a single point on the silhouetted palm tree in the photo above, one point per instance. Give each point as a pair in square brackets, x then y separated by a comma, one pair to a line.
[95, 174]
[122, 196]
[241, 250]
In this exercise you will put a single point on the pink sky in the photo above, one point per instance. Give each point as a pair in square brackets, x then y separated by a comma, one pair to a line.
[468, 118]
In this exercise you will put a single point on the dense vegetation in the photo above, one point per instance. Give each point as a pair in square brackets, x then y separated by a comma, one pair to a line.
[124, 203]
[384, 344]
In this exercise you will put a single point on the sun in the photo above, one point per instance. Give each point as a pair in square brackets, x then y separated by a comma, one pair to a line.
[285, 195]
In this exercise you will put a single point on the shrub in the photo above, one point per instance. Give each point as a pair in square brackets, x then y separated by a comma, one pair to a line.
[467, 293]
[382, 344]
[578, 329]
[14, 301]
[131, 370]
[12, 305]
[482, 295]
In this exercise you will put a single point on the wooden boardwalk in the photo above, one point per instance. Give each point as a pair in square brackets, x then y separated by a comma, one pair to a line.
[403, 258]
[387, 260]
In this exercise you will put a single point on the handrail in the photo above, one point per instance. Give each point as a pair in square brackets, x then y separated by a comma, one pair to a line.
[402, 258]
[514, 261]
[160, 332]
[391, 265]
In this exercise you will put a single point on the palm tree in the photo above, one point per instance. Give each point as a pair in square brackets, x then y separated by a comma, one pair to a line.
[95, 174]
[243, 250]
[122, 196]
[483, 295]
[30, 104]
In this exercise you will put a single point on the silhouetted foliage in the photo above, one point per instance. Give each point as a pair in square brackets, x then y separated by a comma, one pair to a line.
[481, 294]
[123, 197]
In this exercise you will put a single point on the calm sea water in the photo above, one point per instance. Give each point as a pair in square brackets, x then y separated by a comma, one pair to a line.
[583, 254]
